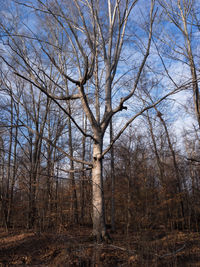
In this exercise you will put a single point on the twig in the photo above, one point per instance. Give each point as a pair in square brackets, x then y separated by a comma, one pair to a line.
[76, 170]
[172, 253]
[113, 246]
[123, 249]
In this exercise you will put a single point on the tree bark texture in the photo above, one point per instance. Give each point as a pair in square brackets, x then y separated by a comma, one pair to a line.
[99, 227]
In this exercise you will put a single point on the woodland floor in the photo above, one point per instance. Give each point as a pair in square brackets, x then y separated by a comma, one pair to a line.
[74, 247]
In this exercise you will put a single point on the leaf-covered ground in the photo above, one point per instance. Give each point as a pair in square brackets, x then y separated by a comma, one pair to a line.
[75, 247]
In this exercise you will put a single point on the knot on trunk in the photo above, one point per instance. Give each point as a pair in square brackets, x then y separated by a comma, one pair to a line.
[97, 156]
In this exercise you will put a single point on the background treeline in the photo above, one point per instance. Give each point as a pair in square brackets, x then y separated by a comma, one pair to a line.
[153, 183]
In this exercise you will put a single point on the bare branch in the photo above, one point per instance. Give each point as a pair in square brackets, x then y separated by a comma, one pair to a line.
[59, 105]
[54, 145]
[137, 115]
[75, 171]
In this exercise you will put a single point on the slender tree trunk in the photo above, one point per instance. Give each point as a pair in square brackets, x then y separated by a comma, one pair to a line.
[195, 85]
[74, 203]
[33, 180]
[10, 204]
[112, 180]
[30, 182]
[128, 218]
[83, 176]
[47, 203]
[56, 197]
[176, 169]
[3, 181]
[159, 163]
[9, 167]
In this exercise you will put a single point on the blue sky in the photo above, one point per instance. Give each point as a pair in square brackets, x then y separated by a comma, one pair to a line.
[131, 60]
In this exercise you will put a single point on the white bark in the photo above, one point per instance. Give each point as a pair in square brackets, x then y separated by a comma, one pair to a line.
[99, 228]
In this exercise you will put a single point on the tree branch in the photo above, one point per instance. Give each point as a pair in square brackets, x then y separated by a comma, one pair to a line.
[59, 105]
[58, 148]
[134, 117]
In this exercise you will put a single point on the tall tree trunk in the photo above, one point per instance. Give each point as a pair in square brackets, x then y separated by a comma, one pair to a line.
[33, 181]
[74, 203]
[176, 169]
[83, 176]
[13, 179]
[3, 181]
[9, 167]
[195, 85]
[48, 198]
[158, 160]
[99, 227]
[56, 196]
[112, 179]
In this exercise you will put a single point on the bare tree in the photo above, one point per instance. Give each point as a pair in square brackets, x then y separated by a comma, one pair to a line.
[183, 15]
[83, 49]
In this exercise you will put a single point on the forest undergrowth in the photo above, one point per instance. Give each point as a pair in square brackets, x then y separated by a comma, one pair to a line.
[75, 247]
